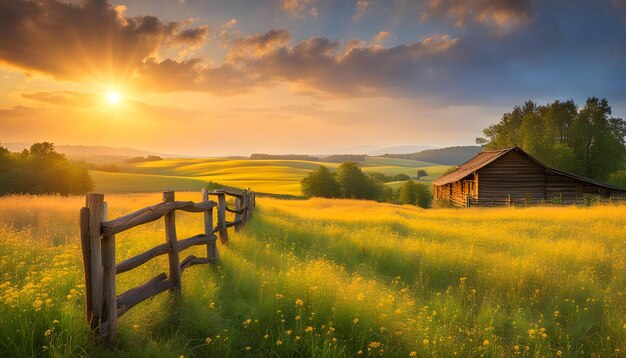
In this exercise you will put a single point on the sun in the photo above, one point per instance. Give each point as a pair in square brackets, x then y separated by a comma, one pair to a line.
[114, 97]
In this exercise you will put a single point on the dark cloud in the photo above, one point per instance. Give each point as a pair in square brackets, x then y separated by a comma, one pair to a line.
[257, 45]
[498, 14]
[92, 39]
[351, 68]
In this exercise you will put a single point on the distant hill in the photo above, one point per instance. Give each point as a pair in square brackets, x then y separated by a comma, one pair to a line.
[96, 154]
[448, 156]
[399, 149]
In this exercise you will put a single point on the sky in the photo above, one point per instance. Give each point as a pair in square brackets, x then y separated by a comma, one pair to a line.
[236, 77]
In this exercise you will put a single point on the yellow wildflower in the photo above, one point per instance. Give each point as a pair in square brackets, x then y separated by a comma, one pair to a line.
[299, 302]
[413, 354]
[47, 333]
[309, 329]
[486, 342]
[425, 341]
[355, 321]
[374, 344]
[279, 342]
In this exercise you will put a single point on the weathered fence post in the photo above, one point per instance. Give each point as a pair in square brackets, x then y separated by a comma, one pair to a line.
[248, 201]
[211, 247]
[109, 311]
[170, 236]
[239, 204]
[95, 204]
[221, 215]
[86, 248]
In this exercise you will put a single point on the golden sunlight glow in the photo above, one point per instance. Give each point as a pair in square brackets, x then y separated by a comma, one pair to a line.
[114, 97]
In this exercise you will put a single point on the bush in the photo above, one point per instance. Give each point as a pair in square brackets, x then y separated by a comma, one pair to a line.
[320, 183]
[415, 193]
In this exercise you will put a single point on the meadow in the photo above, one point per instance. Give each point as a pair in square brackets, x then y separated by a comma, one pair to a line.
[331, 278]
[265, 176]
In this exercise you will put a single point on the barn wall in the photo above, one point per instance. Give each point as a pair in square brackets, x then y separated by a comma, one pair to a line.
[512, 174]
[456, 192]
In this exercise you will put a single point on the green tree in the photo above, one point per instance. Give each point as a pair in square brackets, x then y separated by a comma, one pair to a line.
[589, 142]
[598, 140]
[415, 193]
[401, 177]
[618, 178]
[421, 173]
[355, 184]
[320, 182]
[42, 170]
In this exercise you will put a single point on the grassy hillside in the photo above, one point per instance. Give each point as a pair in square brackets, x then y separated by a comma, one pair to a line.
[267, 176]
[332, 278]
[450, 155]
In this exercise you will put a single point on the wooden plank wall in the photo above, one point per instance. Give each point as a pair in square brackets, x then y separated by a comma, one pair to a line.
[512, 174]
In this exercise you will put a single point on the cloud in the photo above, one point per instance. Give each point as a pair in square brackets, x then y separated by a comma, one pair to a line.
[87, 40]
[299, 8]
[63, 98]
[380, 37]
[360, 8]
[497, 14]
[317, 64]
[257, 45]
[230, 23]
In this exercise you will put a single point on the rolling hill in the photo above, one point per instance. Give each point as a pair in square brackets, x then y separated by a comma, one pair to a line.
[265, 176]
[448, 156]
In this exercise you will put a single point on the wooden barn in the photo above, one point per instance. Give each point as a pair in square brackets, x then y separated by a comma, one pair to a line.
[512, 177]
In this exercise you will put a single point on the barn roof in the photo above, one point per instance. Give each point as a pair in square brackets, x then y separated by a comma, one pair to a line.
[486, 157]
[480, 160]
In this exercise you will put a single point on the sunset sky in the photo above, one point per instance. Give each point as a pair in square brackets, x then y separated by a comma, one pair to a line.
[300, 76]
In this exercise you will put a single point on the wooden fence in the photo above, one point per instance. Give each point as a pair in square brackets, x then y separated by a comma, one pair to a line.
[104, 306]
[512, 201]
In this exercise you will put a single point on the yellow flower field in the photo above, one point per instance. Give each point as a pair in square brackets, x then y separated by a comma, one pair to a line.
[331, 278]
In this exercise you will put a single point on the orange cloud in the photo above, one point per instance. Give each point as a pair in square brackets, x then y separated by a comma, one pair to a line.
[90, 40]
[299, 8]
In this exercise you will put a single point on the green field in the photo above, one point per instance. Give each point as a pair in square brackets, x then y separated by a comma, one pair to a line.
[330, 278]
[265, 176]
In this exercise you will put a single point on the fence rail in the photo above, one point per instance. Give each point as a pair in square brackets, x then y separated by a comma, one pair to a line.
[104, 306]
[511, 201]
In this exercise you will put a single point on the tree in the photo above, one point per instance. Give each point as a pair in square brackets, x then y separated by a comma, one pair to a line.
[320, 182]
[618, 178]
[42, 170]
[415, 193]
[587, 142]
[421, 173]
[401, 177]
[597, 140]
[355, 184]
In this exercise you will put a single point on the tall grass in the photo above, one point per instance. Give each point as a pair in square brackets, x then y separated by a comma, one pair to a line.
[332, 278]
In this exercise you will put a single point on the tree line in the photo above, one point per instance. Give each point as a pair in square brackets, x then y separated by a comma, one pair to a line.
[41, 170]
[587, 141]
[350, 182]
